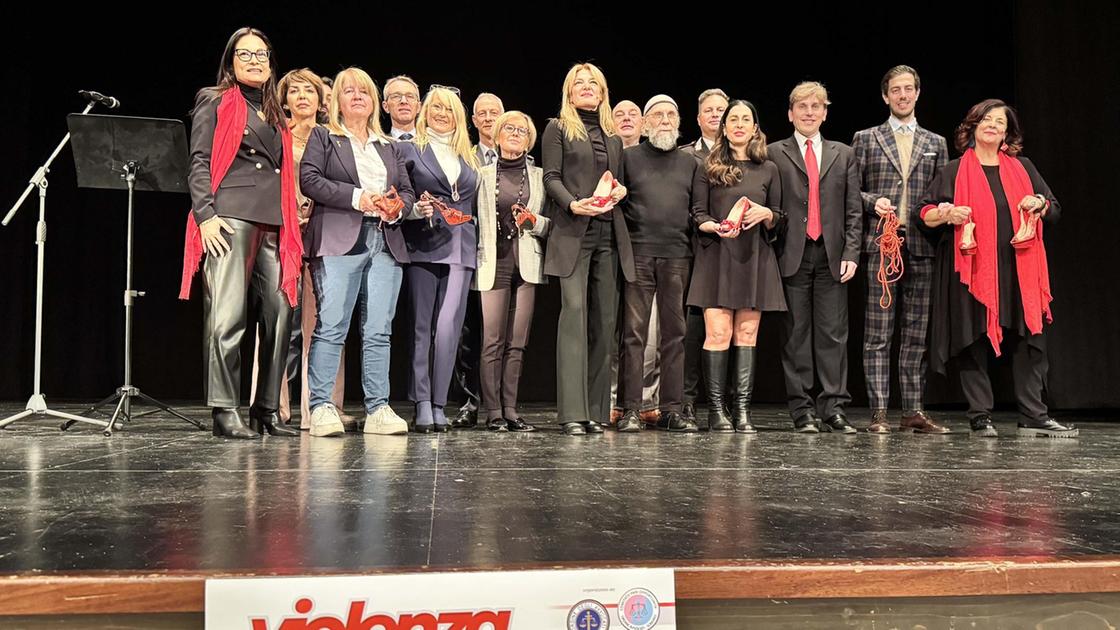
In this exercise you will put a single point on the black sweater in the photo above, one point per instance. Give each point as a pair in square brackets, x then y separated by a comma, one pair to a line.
[658, 200]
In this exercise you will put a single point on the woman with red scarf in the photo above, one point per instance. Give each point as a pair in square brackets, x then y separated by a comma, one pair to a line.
[992, 287]
[244, 219]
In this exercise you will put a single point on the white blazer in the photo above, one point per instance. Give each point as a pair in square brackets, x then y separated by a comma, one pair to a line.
[530, 246]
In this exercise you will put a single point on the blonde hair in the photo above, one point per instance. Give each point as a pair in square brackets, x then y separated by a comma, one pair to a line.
[506, 117]
[809, 89]
[358, 77]
[569, 118]
[302, 75]
[460, 137]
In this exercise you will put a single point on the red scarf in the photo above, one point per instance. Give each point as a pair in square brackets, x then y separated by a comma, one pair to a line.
[232, 114]
[979, 272]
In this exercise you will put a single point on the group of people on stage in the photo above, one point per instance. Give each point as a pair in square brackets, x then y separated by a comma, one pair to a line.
[306, 212]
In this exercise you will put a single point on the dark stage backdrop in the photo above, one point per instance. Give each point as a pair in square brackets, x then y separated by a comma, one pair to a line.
[1056, 61]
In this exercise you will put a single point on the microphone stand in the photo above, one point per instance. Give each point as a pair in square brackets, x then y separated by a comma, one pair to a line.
[37, 404]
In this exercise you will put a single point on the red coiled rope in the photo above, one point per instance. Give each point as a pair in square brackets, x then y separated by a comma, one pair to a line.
[890, 256]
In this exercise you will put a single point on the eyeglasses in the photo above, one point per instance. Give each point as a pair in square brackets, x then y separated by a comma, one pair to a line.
[659, 116]
[247, 55]
[511, 130]
[449, 88]
[397, 97]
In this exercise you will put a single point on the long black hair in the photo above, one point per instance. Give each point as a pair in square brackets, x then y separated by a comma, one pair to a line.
[722, 170]
[273, 113]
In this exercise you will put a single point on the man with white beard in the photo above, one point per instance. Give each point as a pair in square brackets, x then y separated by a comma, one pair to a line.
[658, 178]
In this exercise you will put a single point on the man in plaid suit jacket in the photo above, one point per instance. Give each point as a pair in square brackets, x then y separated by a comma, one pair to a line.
[893, 179]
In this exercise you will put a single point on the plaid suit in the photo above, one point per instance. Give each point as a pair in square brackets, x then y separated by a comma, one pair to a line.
[881, 176]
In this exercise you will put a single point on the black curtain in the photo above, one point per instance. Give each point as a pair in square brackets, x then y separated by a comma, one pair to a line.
[1055, 61]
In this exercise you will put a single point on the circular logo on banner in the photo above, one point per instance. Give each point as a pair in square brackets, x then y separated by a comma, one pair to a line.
[638, 609]
[588, 615]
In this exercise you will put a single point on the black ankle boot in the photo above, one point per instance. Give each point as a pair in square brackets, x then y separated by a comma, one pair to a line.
[714, 364]
[744, 386]
[261, 421]
[228, 423]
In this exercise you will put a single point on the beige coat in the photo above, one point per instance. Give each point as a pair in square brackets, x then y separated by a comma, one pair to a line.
[530, 247]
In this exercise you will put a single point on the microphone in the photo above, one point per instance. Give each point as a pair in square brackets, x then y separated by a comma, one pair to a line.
[98, 97]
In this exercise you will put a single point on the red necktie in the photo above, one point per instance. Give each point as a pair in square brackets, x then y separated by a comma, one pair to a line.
[813, 230]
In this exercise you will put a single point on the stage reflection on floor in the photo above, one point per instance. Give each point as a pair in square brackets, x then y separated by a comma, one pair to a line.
[161, 495]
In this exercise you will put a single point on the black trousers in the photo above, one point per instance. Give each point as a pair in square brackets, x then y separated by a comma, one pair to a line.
[1029, 365]
[693, 344]
[465, 385]
[667, 278]
[245, 279]
[816, 331]
[585, 331]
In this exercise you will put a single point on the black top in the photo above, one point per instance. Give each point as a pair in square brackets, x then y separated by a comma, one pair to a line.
[659, 200]
[598, 145]
[254, 98]
[958, 319]
[512, 187]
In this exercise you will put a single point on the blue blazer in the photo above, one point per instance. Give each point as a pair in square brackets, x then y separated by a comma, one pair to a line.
[328, 175]
[440, 242]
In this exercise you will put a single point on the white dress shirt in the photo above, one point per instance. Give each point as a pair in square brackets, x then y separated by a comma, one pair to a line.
[372, 175]
[816, 146]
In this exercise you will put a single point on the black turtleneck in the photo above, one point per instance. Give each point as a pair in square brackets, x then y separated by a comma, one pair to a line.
[253, 95]
[512, 187]
[598, 144]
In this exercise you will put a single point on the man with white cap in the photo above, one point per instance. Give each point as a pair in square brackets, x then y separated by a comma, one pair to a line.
[658, 178]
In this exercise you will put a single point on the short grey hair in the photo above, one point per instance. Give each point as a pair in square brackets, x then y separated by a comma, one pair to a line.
[712, 92]
[484, 95]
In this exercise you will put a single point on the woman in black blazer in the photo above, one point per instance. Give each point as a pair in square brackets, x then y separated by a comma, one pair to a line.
[244, 219]
[585, 247]
[355, 248]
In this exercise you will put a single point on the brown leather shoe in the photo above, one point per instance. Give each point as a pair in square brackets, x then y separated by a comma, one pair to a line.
[616, 415]
[650, 416]
[920, 422]
[879, 422]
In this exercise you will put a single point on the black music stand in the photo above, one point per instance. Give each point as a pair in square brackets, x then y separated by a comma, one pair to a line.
[127, 153]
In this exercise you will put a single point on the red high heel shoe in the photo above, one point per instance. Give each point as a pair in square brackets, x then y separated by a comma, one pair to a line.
[452, 215]
[968, 238]
[390, 204]
[1028, 230]
[521, 216]
[602, 195]
[734, 218]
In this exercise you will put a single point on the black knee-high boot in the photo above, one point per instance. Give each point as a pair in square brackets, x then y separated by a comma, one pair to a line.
[744, 386]
[714, 363]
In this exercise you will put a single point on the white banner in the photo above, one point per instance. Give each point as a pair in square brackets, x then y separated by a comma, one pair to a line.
[626, 599]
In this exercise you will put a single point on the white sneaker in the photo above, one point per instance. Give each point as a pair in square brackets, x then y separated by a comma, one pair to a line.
[325, 421]
[385, 421]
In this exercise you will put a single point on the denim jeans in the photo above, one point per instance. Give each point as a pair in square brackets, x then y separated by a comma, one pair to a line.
[368, 276]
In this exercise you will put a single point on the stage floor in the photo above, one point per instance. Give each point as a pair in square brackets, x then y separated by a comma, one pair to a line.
[771, 530]
[161, 495]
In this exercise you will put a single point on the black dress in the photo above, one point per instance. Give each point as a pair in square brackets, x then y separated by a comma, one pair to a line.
[959, 320]
[742, 272]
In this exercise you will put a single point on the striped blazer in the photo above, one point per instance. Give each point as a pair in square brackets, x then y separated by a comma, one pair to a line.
[880, 175]
[530, 245]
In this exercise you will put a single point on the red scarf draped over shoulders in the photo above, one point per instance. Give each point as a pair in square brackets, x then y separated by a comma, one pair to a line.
[980, 271]
[232, 114]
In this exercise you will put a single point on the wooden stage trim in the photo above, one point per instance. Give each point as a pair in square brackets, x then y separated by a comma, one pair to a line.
[183, 591]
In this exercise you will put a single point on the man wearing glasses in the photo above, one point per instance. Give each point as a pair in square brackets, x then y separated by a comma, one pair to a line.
[658, 178]
[402, 103]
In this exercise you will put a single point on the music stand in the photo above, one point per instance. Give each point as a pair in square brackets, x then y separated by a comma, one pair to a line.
[121, 152]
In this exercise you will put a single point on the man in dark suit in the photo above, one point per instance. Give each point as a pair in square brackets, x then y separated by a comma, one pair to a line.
[820, 195]
[402, 103]
[897, 161]
[709, 112]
